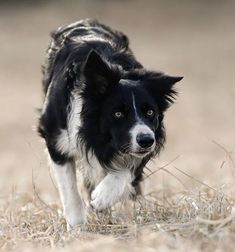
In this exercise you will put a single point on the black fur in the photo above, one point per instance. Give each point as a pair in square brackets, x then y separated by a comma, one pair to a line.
[90, 57]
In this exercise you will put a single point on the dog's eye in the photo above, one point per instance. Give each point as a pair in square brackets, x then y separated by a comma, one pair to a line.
[150, 112]
[118, 114]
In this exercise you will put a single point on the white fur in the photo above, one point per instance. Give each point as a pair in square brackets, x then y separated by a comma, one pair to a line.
[134, 107]
[92, 171]
[112, 188]
[67, 142]
[65, 176]
[116, 185]
[139, 128]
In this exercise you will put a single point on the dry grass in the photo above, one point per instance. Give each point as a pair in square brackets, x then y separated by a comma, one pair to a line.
[163, 220]
[188, 220]
[192, 38]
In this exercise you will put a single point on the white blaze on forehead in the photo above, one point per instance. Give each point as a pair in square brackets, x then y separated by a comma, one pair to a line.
[138, 128]
[134, 106]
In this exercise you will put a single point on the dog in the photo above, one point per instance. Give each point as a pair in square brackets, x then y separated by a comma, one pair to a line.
[103, 108]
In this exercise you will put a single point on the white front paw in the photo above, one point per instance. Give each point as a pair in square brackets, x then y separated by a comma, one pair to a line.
[111, 189]
[101, 197]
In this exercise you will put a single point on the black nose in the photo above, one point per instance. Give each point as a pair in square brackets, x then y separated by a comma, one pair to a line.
[145, 140]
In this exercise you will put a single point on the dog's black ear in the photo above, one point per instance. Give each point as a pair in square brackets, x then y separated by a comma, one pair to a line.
[161, 88]
[99, 77]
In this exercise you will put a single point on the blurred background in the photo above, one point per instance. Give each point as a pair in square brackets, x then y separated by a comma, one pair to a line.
[195, 39]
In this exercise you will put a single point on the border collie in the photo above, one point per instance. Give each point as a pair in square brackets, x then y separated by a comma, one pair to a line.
[103, 108]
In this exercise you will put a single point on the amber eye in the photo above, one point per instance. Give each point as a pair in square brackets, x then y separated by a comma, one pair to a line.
[118, 114]
[150, 112]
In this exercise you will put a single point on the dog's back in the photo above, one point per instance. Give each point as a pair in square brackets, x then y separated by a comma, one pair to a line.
[81, 37]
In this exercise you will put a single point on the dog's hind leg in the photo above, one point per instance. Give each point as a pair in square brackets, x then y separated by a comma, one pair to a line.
[65, 176]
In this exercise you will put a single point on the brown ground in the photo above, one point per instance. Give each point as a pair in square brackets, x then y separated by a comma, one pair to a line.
[195, 39]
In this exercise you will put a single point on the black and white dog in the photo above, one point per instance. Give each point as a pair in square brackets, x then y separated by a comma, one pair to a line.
[103, 108]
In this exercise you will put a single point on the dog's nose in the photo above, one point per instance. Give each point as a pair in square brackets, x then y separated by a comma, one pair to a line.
[145, 140]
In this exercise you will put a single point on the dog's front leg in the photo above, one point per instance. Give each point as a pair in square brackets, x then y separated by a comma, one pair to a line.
[114, 187]
[65, 176]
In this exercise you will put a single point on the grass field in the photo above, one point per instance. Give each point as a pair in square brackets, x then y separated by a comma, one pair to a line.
[189, 192]
[161, 221]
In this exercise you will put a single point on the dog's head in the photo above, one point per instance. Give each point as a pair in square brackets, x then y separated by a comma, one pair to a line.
[125, 108]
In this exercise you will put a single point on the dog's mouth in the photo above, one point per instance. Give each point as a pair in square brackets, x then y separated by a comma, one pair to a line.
[141, 153]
